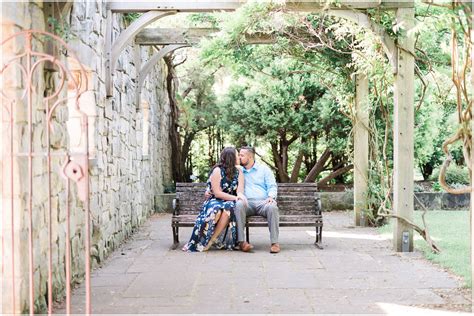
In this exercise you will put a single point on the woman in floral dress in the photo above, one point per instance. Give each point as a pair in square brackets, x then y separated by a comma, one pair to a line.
[216, 223]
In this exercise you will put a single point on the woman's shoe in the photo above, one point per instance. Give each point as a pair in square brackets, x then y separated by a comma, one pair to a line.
[209, 244]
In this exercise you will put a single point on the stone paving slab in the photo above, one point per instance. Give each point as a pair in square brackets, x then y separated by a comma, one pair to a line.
[355, 273]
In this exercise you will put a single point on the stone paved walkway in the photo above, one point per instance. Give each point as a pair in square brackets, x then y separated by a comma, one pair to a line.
[356, 273]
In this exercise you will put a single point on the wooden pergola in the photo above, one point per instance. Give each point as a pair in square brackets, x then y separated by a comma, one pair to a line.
[401, 57]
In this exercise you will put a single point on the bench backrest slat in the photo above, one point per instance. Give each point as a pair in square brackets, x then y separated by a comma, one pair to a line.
[293, 198]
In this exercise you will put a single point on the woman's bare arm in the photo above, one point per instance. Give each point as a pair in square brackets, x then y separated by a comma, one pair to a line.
[216, 186]
[240, 187]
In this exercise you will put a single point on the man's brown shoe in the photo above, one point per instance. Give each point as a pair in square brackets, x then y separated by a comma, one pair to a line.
[275, 248]
[245, 246]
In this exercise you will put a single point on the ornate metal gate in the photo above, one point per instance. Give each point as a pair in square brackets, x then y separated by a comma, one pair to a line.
[37, 145]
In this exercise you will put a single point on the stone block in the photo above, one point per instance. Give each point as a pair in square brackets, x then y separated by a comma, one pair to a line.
[79, 12]
[124, 126]
[428, 200]
[109, 109]
[116, 147]
[455, 201]
[337, 200]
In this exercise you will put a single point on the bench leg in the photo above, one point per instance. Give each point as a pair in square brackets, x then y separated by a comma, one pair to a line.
[247, 234]
[319, 237]
[175, 238]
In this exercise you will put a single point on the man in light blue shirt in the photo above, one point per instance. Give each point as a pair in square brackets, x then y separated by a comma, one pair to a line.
[260, 189]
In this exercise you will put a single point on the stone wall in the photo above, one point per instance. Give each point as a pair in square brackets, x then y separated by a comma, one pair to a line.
[129, 153]
[125, 178]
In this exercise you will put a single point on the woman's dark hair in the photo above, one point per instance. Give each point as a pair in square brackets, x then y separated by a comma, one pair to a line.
[227, 162]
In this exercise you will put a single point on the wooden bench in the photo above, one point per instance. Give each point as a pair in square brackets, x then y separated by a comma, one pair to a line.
[298, 203]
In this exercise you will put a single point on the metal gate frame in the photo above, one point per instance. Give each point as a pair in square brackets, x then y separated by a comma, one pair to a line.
[76, 164]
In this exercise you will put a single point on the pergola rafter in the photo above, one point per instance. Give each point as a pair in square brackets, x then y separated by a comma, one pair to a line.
[152, 13]
[231, 5]
[400, 55]
[173, 36]
[173, 39]
[190, 36]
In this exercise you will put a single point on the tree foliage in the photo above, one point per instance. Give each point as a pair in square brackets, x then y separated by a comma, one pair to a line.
[294, 98]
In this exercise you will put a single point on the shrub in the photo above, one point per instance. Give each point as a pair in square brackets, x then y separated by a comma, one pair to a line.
[436, 186]
[455, 174]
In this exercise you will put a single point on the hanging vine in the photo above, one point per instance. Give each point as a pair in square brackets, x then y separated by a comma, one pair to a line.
[461, 61]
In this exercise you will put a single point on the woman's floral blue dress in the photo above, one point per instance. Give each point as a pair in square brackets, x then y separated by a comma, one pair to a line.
[209, 215]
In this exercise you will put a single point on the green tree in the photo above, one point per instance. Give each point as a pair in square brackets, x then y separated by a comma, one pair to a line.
[286, 88]
[192, 103]
[285, 106]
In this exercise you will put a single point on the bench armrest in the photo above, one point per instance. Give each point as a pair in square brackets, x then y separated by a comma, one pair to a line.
[317, 207]
[176, 206]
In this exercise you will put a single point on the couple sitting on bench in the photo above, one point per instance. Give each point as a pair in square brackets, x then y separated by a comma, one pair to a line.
[235, 194]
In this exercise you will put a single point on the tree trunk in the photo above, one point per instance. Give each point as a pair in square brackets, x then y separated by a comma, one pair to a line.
[318, 167]
[282, 175]
[337, 162]
[210, 147]
[297, 167]
[426, 171]
[175, 139]
[311, 157]
[334, 174]
[284, 156]
[185, 156]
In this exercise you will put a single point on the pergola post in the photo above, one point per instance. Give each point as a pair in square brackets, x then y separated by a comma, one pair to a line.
[361, 149]
[403, 124]
[472, 160]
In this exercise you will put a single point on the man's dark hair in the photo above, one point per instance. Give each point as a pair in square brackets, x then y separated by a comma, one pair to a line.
[250, 149]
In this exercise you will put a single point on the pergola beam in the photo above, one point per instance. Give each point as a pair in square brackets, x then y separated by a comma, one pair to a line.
[232, 5]
[189, 36]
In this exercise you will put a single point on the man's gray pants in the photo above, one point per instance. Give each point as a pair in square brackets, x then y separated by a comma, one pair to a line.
[258, 207]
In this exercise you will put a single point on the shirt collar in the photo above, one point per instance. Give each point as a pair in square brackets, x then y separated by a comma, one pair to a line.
[254, 167]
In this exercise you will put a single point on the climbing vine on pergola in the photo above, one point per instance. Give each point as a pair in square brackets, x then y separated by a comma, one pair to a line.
[400, 55]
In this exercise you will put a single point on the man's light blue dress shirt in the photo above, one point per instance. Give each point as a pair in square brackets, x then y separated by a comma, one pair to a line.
[259, 182]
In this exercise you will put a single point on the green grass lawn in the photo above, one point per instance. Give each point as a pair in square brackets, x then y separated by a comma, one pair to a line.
[450, 231]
